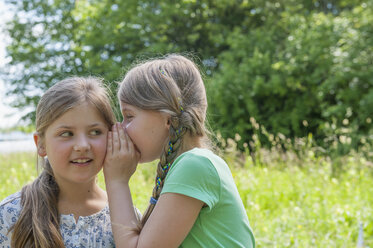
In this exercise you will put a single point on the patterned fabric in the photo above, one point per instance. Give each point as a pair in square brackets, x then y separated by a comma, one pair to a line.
[89, 231]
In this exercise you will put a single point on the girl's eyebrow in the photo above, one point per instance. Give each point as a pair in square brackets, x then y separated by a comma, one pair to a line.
[127, 110]
[64, 127]
[71, 127]
[96, 124]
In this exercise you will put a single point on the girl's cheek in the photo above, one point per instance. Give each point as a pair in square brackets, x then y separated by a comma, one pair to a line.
[130, 130]
[127, 126]
[101, 143]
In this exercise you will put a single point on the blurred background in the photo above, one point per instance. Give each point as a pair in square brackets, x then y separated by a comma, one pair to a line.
[275, 71]
[289, 84]
[12, 128]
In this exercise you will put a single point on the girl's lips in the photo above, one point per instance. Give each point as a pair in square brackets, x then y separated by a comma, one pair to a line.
[81, 162]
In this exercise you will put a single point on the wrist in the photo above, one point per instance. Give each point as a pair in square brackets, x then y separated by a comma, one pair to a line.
[118, 182]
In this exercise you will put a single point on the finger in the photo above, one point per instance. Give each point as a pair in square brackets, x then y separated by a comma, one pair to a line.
[116, 142]
[122, 137]
[109, 148]
[131, 146]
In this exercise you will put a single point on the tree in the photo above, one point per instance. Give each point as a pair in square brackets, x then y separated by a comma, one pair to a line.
[297, 67]
[55, 39]
[299, 74]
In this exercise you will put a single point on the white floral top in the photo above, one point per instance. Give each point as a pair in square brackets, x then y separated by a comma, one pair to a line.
[88, 231]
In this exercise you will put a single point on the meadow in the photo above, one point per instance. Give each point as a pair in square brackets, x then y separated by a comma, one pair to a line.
[290, 201]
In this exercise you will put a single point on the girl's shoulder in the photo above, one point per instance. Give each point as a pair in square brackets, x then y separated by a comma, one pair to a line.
[10, 208]
[196, 152]
[203, 164]
[13, 200]
[201, 156]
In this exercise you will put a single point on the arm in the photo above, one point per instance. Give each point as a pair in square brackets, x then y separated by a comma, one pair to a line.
[170, 221]
[167, 226]
[122, 214]
[172, 218]
[120, 164]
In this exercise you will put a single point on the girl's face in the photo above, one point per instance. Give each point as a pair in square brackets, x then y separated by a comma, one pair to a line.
[75, 144]
[147, 129]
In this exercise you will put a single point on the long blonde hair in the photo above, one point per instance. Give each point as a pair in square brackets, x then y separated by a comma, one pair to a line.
[173, 85]
[39, 222]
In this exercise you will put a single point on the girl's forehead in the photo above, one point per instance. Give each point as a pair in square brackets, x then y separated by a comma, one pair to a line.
[74, 115]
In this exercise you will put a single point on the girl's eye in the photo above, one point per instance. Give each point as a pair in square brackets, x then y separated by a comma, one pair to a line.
[95, 132]
[66, 134]
[128, 117]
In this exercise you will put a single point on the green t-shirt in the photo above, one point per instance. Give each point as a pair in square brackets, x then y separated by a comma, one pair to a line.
[201, 174]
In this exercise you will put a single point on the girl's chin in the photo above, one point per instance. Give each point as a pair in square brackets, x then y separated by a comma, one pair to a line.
[138, 151]
[145, 160]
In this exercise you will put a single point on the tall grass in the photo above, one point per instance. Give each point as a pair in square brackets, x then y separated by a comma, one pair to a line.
[291, 201]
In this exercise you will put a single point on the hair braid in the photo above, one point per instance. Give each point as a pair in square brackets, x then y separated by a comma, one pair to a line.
[39, 201]
[171, 151]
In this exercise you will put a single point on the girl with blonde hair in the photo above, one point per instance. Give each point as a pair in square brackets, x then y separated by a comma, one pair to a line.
[64, 206]
[195, 202]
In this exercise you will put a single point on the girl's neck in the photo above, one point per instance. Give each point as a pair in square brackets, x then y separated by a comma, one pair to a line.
[191, 142]
[78, 192]
[81, 200]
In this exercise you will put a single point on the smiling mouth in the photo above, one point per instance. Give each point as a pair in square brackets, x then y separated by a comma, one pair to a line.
[81, 161]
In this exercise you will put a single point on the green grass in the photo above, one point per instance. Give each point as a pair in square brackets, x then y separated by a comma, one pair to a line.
[290, 202]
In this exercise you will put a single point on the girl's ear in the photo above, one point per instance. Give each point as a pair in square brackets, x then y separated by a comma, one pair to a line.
[167, 120]
[39, 145]
[168, 124]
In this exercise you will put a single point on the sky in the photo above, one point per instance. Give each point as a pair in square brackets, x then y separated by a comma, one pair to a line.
[8, 116]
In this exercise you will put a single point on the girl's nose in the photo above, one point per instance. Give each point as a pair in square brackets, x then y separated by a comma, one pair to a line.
[82, 144]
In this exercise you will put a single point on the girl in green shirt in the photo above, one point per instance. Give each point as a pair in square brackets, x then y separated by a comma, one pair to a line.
[195, 202]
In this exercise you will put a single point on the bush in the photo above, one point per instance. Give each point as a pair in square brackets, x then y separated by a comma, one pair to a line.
[298, 75]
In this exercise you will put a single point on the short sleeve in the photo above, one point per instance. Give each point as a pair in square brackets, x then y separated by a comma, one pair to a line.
[9, 211]
[194, 176]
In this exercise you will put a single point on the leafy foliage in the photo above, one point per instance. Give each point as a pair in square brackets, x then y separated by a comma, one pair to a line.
[298, 74]
[295, 67]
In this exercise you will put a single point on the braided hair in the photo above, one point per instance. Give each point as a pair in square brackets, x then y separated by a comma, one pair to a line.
[173, 85]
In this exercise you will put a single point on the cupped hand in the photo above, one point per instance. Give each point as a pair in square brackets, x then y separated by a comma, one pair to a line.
[121, 156]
